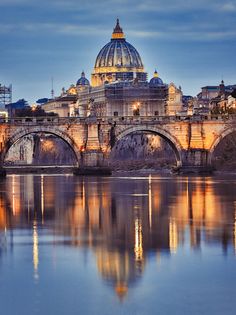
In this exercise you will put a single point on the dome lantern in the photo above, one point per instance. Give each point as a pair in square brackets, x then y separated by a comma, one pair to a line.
[118, 32]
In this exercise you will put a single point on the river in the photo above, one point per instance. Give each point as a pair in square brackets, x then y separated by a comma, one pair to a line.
[120, 245]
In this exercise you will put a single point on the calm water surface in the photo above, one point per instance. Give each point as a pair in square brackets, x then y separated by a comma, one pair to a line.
[119, 245]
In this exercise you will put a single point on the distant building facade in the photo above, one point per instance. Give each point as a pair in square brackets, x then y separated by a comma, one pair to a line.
[216, 98]
[174, 100]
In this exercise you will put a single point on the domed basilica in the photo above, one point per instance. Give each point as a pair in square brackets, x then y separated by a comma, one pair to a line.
[117, 61]
[118, 87]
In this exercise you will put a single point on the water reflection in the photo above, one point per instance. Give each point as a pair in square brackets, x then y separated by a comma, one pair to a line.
[122, 220]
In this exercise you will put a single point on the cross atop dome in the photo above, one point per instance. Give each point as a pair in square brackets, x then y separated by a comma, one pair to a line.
[118, 32]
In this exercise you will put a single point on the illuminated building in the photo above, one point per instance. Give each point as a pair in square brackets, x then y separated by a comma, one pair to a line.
[118, 60]
[174, 100]
[61, 105]
[216, 97]
[119, 87]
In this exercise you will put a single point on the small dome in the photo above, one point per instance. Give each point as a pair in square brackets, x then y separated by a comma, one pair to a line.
[83, 81]
[155, 81]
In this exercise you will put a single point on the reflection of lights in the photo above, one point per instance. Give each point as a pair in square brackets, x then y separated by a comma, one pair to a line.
[35, 250]
[173, 236]
[235, 227]
[138, 247]
[83, 196]
[13, 195]
[150, 199]
[42, 196]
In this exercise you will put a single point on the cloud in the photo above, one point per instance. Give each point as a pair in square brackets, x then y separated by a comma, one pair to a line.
[51, 28]
[229, 7]
[180, 5]
[185, 32]
[16, 2]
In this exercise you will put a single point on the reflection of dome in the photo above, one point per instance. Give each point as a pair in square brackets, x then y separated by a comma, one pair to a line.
[119, 268]
[83, 80]
[121, 290]
[155, 81]
[117, 60]
[118, 53]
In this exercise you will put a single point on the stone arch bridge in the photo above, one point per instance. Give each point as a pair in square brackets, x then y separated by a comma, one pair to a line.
[193, 139]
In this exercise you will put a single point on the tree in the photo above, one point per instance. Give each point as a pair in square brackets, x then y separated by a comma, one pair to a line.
[42, 100]
[32, 112]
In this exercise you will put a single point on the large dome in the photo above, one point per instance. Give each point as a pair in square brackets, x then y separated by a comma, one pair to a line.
[117, 60]
[119, 53]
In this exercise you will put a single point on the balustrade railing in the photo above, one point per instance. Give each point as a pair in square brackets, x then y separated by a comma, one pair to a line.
[51, 120]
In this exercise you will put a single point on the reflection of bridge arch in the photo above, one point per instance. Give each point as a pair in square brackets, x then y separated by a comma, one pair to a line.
[220, 138]
[36, 129]
[173, 142]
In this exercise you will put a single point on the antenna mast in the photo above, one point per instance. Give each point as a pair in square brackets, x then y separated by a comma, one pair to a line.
[52, 90]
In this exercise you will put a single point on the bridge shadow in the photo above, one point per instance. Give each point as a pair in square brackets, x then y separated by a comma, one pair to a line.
[223, 157]
[44, 149]
[143, 149]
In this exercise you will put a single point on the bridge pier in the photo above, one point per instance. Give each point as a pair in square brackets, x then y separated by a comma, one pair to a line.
[92, 158]
[92, 163]
[195, 161]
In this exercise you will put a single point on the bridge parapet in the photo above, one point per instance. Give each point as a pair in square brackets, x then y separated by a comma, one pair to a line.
[41, 120]
[193, 138]
[114, 119]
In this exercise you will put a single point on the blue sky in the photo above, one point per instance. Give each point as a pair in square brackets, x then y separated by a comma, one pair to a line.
[190, 43]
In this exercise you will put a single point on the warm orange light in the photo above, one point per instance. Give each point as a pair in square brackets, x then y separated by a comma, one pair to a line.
[136, 106]
[121, 290]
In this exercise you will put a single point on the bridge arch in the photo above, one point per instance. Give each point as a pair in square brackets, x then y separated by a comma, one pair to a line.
[22, 132]
[220, 138]
[164, 134]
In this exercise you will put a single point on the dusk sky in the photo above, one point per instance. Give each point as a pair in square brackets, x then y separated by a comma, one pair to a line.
[190, 43]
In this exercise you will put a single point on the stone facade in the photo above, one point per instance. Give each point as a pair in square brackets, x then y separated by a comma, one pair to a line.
[124, 99]
[60, 105]
[174, 100]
